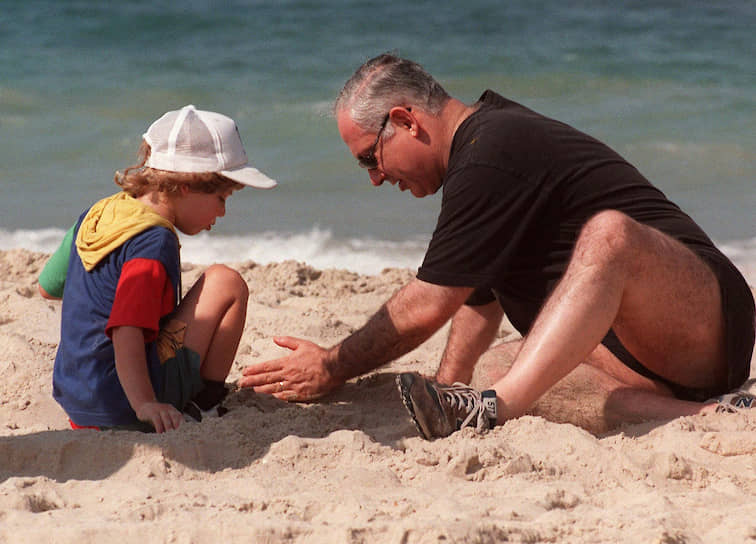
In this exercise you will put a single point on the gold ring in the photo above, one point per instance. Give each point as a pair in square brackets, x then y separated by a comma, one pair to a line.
[280, 386]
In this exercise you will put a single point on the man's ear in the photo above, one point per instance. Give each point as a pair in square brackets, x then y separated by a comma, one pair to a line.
[404, 118]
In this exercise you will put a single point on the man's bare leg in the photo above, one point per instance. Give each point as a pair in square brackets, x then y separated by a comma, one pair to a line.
[661, 300]
[589, 397]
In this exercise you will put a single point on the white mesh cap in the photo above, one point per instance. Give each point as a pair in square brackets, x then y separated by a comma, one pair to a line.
[192, 140]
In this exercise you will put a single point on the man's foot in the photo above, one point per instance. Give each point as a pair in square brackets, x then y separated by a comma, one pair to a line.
[439, 410]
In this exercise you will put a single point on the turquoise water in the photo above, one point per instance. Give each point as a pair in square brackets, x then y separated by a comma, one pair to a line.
[670, 85]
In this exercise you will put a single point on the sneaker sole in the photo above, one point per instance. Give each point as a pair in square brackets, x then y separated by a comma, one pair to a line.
[404, 382]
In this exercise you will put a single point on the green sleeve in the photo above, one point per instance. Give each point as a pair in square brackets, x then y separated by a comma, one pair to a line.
[53, 276]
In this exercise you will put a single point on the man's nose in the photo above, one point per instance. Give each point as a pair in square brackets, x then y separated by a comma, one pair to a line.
[376, 177]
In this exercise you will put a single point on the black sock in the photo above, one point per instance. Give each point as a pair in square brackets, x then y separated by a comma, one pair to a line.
[212, 395]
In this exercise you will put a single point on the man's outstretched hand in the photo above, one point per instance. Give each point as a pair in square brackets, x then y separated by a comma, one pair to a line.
[302, 375]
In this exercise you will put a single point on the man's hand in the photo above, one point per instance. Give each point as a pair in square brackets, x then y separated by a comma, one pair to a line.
[300, 376]
[407, 320]
[163, 417]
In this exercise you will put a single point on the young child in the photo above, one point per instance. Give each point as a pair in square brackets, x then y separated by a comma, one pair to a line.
[132, 353]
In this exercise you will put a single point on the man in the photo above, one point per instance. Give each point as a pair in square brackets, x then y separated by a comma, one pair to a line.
[589, 261]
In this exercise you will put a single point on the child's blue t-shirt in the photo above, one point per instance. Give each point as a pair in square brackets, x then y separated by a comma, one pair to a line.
[85, 381]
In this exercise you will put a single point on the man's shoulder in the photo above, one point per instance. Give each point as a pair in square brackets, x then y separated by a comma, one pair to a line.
[496, 137]
[498, 121]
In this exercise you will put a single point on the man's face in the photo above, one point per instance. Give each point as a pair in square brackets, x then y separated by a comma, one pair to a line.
[399, 159]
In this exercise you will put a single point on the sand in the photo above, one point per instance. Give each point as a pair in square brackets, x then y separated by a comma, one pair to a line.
[350, 468]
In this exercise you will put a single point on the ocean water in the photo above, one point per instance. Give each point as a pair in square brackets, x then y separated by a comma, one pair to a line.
[671, 85]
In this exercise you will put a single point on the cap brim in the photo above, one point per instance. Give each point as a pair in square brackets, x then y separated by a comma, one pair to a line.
[246, 175]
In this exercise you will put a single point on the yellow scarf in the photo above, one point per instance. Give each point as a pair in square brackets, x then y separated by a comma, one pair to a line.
[110, 223]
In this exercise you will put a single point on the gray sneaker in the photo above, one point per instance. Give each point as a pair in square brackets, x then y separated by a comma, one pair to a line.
[439, 410]
[741, 399]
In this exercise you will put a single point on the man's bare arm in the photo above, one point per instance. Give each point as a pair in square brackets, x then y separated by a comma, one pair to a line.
[407, 320]
[472, 331]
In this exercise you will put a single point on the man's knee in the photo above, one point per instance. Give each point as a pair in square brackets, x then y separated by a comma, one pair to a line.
[610, 237]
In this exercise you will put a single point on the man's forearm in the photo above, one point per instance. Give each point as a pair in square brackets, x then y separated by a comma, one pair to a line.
[372, 346]
[472, 331]
[409, 318]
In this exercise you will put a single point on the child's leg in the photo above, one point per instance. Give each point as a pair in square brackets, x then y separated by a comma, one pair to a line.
[215, 310]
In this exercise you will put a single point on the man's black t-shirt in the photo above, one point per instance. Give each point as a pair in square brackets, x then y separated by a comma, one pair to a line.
[518, 188]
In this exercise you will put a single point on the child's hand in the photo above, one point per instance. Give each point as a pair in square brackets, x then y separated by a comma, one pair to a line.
[163, 417]
[131, 366]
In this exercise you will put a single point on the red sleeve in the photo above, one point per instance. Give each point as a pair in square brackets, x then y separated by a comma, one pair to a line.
[144, 295]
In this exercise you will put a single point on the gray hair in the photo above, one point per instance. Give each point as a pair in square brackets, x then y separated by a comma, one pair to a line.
[384, 82]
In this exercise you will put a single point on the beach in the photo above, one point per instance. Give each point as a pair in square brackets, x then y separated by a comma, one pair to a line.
[667, 85]
[350, 467]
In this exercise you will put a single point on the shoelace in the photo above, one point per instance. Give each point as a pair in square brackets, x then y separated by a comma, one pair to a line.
[462, 397]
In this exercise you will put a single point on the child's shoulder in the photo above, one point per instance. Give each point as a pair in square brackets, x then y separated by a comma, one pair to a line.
[157, 240]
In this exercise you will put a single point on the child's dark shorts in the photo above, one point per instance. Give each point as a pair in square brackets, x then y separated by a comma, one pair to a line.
[180, 365]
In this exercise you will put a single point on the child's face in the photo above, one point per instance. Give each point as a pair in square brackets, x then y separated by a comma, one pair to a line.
[195, 212]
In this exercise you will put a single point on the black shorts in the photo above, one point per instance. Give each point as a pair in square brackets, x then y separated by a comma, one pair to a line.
[740, 327]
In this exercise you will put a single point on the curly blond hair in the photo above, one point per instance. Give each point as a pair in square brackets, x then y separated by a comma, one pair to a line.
[139, 179]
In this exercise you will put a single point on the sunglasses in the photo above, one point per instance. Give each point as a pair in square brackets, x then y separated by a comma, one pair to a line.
[368, 160]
